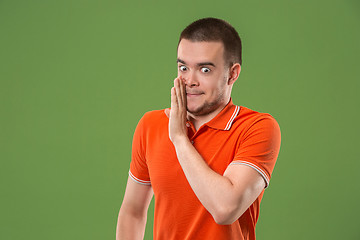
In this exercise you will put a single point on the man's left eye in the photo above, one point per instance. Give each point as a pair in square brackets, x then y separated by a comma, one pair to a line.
[205, 70]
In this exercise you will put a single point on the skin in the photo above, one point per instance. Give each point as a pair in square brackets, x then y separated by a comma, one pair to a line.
[201, 90]
[133, 212]
[226, 196]
[208, 84]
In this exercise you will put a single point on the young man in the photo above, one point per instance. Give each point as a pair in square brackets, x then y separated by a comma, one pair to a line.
[206, 160]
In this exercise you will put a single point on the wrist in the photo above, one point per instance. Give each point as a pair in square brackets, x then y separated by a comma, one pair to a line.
[180, 140]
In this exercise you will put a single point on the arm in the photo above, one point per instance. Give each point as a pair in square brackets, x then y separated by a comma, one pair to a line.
[133, 212]
[226, 196]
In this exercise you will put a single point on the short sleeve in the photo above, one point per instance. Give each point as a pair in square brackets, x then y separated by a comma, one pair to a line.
[259, 147]
[138, 166]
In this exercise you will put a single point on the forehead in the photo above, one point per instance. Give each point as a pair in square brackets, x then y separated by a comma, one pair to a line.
[197, 52]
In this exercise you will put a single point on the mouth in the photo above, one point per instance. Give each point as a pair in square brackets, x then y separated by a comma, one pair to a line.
[193, 94]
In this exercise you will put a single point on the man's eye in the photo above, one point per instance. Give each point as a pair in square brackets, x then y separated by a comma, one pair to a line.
[205, 70]
[182, 68]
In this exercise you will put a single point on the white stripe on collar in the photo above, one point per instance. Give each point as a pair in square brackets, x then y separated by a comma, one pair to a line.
[235, 113]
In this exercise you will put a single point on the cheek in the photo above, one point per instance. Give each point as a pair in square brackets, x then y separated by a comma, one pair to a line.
[216, 87]
[211, 83]
[181, 74]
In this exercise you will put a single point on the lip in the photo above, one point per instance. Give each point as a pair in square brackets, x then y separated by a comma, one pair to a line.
[193, 94]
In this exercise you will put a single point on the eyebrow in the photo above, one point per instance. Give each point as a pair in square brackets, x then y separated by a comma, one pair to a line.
[199, 64]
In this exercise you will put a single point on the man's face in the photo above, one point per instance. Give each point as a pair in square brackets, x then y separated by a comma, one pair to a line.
[202, 66]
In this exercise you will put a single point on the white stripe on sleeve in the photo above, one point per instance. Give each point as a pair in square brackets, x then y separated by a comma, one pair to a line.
[259, 170]
[139, 180]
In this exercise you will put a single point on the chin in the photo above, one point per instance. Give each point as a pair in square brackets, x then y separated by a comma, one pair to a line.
[196, 110]
[192, 108]
[202, 109]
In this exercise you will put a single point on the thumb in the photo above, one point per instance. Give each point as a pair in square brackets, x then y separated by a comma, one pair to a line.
[167, 112]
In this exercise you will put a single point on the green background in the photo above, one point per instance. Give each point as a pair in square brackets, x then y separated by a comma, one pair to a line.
[76, 76]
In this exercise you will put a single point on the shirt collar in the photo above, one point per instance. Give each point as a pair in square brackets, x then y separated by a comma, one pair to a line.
[225, 119]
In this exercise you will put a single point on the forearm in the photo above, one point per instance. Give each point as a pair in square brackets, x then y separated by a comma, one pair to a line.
[227, 196]
[129, 226]
[214, 191]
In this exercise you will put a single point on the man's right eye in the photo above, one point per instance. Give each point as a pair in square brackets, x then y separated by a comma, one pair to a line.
[182, 68]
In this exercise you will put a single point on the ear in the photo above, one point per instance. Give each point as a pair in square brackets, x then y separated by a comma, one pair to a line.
[234, 73]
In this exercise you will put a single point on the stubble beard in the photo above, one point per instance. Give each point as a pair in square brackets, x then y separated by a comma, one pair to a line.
[207, 107]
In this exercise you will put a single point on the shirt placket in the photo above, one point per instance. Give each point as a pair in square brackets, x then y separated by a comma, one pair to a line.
[192, 133]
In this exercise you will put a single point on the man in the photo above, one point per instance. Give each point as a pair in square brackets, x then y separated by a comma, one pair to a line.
[206, 160]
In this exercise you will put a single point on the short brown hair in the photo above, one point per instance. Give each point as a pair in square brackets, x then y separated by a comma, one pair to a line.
[214, 30]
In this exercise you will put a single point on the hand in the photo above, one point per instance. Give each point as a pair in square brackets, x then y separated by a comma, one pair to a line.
[177, 114]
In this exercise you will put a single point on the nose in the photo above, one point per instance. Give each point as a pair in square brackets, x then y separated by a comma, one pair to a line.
[191, 79]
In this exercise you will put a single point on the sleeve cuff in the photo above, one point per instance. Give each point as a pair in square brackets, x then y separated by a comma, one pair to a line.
[255, 167]
[139, 180]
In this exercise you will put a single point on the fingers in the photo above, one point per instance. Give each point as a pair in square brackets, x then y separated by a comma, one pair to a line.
[177, 91]
[174, 104]
[180, 92]
[184, 97]
[178, 95]
[183, 91]
[167, 112]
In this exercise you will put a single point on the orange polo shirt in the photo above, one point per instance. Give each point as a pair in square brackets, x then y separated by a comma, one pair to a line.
[237, 135]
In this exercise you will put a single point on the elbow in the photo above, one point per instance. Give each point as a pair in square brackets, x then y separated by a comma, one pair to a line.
[222, 221]
[227, 215]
